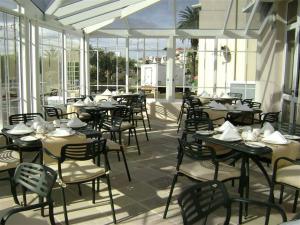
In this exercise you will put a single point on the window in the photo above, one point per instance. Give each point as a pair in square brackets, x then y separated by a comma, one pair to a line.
[9, 66]
[51, 67]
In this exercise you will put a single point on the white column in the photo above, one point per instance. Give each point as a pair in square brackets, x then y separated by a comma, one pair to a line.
[35, 69]
[82, 66]
[170, 85]
[86, 64]
[25, 63]
[127, 65]
[215, 65]
[64, 68]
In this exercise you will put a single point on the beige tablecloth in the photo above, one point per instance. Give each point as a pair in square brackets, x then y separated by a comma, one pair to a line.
[54, 144]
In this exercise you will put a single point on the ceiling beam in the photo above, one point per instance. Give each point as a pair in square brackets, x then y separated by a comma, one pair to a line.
[78, 6]
[227, 15]
[137, 7]
[97, 20]
[95, 27]
[255, 7]
[97, 11]
[53, 7]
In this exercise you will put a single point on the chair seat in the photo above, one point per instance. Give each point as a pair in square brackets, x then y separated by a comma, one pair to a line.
[204, 170]
[84, 115]
[126, 126]
[9, 159]
[112, 146]
[220, 150]
[137, 117]
[289, 175]
[78, 171]
[137, 110]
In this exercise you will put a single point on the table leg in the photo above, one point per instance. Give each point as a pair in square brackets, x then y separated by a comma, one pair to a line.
[260, 166]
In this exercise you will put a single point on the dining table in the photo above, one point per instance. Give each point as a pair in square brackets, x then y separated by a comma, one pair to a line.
[255, 153]
[52, 143]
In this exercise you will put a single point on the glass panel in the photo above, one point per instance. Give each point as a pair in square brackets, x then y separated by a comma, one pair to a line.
[292, 11]
[110, 56]
[9, 67]
[51, 74]
[288, 78]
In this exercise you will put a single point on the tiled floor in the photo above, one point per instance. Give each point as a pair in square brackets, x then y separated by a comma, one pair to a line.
[142, 200]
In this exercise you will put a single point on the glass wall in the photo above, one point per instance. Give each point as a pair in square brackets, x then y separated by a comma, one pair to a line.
[51, 66]
[216, 66]
[107, 64]
[9, 66]
[73, 65]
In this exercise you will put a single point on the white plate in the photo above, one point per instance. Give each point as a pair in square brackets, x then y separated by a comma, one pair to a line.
[205, 132]
[274, 142]
[19, 132]
[83, 124]
[291, 137]
[217, 136]
[255, 144]
[58, 134]
[64, 120]
[29, 138]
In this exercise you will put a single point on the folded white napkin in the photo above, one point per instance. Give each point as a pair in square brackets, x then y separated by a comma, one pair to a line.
[229, 107]
[267, 127]
[215, 96]
[225, 126]
[21, 127]
[226, 96]
[220, 106]
[63, 130]
[74, 122]
[230, 134]
[238, 102]
[106, 92]
[113, 101]
[79, 103]
[204, 94]
[36, 122]
[275, 138]
[213, 104]
[88, 101]
[243, 108]
[106, 104]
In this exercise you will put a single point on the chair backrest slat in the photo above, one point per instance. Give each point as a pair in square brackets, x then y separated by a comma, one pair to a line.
[25, 117]
[36, 178]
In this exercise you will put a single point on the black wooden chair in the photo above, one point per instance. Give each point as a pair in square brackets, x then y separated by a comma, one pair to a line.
[240, 118]
[38, 179]
[201, 200]
[24, 117]
[80, 163]
[287, 175]
[271, 117]
[235, 95]
[198, 163]
[10, 158]
[118, 123]
[56, 113]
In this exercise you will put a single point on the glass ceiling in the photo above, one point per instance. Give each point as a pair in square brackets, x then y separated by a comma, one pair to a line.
[91, 16]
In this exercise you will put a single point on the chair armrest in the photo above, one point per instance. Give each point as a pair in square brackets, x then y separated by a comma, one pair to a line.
[260, 203]
[21, 209]
[67, 114]
[50, 154]
[13, 146]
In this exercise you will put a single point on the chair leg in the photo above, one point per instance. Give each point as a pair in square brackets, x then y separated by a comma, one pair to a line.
[281, 193]
[98, 183]
[119, 159]
[170, 195]
[41, 200]
[111, 199]
[126, 166]
[271, 200]
[13, 187]
[295, 201]
[93, 191]
[137, 142]
[148, 119]
[51, 215]
[79, 190]
[24, 196]
[145, 128]
[65, 206]
[129, 133]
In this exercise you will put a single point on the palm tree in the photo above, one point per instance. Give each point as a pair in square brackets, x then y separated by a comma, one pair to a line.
[189, 19]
